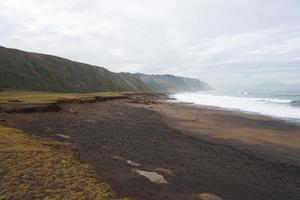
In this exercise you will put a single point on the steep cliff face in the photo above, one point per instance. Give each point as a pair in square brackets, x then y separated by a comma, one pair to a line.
[33, 71]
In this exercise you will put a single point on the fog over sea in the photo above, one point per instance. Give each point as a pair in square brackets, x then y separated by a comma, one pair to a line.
[280, 105]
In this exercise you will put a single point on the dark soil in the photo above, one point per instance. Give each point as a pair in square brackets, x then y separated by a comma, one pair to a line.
[106, 131]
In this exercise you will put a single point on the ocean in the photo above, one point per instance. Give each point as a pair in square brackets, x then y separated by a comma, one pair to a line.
[275, 104]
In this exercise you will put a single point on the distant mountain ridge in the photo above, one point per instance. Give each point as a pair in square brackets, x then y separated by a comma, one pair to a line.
[20, 70]
[171, 83]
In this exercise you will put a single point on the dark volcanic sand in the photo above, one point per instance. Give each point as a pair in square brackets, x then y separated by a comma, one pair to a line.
[104, 130]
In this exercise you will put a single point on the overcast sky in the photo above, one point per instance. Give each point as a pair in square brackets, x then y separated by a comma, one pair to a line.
[223, 42]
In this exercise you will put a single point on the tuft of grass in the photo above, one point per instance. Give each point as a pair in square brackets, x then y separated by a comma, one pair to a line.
[37, 168]
[47, 97]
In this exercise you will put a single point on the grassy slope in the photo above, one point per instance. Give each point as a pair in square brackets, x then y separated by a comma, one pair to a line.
[32, 71]
[48, 97]
[36, 168]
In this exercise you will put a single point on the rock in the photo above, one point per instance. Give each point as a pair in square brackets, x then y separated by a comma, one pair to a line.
[146, 99]
[135, 100]
[116, 158]
[73, 110]
[151, 176]
[133, 163]
[64, 136]
[163, 171]
[208, 196]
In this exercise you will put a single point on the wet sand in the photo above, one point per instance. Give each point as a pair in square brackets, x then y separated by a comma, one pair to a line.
[196, 151]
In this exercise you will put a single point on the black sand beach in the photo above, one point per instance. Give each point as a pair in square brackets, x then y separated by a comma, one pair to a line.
[119, 137]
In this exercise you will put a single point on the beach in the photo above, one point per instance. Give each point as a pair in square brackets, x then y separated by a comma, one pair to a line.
[161, 150]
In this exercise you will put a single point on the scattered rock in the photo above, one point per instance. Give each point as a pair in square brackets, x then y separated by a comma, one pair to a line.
[73, 110]
[145, 99]
[116, 158]
[135, 100]
[133, 163]
[208, 196]
[151, 176]
[163, 171]
[64, 136]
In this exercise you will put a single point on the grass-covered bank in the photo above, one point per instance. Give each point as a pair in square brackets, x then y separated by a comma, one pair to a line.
[37, 168]
[48, 97]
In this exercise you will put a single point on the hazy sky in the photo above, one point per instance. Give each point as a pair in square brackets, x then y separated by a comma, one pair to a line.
[223, 42]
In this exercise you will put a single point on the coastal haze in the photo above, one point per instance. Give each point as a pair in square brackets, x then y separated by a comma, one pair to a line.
[130, 99]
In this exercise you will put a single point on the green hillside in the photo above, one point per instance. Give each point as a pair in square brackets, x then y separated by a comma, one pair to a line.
[32, 71]
[20, 70]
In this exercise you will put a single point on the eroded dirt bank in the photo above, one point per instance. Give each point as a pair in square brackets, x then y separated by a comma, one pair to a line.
[118, 139]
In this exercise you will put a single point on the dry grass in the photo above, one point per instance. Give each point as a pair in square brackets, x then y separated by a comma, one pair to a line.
[47, 97]
[36, 168]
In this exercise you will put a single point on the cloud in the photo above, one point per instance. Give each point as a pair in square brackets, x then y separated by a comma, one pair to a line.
[220, 41]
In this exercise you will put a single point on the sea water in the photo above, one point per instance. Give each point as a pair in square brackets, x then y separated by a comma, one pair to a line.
[281, 105]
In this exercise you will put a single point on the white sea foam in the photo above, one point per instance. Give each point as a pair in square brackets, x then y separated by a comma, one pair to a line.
[267, 106]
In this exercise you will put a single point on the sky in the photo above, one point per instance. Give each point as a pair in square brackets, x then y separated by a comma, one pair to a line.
[222, 42]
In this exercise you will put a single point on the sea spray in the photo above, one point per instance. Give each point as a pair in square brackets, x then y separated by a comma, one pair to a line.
[271, 105]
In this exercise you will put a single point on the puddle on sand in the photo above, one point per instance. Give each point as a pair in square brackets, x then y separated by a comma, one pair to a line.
[151, 176]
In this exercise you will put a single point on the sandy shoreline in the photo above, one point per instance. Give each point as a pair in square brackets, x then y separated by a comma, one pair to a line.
[195, 150]
[270, 137]
[291, 121]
